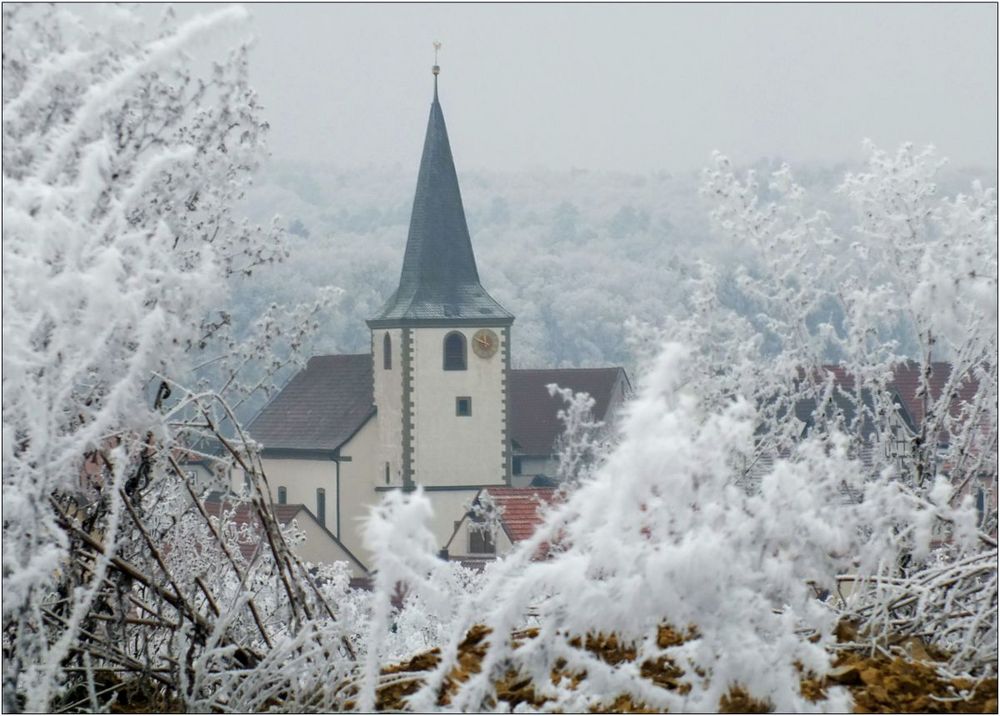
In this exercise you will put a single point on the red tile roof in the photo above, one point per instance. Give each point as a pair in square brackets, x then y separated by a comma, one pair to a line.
[522, 508]
[245, 515]
[906, 378]
[906, 382]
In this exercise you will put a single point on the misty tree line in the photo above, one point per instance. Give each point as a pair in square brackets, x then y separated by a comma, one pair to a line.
[571, 254]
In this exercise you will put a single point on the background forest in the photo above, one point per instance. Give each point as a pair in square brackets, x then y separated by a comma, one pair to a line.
[572, 254]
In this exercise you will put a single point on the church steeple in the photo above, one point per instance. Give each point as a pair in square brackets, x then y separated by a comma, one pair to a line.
[439, 280]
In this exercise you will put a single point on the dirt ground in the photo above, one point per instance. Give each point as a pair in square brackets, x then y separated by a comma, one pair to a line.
[879, 683]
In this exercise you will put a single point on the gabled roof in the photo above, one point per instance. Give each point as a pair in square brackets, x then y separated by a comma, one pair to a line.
[842, 407]
[521, 508]
[245, 516]
[439, 280]
[324, 405]
[905, 389]
[906, 379]
[320, 408]
[533, 422]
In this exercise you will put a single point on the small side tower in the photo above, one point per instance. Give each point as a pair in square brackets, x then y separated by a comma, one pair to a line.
[441, 345]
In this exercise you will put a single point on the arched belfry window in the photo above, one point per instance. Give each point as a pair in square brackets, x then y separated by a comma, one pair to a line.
[386, 352]
[454, 351]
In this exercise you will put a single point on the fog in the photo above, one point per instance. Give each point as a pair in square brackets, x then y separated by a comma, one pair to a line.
[627, 87]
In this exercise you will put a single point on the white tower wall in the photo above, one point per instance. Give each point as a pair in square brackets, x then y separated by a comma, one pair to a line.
[388, 394]
[448, 449]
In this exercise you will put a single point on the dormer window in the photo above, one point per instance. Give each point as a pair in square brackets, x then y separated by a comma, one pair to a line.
[386, 352]
[454, 351]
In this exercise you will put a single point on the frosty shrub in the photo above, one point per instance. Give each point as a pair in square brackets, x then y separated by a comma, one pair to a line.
[915, 265]
[583, 440]
[759, 492]
[659, 535]
[121, 164]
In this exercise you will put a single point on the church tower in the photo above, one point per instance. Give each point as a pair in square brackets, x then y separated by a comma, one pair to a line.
[441, 346]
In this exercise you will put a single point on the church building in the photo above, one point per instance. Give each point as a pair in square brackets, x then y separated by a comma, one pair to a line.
[435, 403]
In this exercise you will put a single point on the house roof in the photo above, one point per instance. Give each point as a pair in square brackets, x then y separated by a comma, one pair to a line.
[245, 515]
[439, 279]
[805, 410]
[906, 379]
[521, 508]
[534, 424]
[905, 388]
[325, 404]
[321, 407]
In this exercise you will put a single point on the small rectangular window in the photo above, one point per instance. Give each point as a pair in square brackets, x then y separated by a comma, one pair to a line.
[463, 406]
[515, 465]
[321, 505]
[282, 496]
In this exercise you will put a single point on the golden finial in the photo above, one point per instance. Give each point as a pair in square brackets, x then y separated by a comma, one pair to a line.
[436, 69]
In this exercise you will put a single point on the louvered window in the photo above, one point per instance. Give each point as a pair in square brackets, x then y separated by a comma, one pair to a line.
[480, 541]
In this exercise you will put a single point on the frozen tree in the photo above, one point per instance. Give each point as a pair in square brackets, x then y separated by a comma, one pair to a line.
[659, 535]
[485, 516]
[752, 489]
[570, 291]
[121, 167]
[583, 441]
[914, 265]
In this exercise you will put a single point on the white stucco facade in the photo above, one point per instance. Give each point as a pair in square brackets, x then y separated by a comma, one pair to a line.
[388, 394]
[298, 480]
[320, 548]
[448, 449]
[358, 480]
[301, 480]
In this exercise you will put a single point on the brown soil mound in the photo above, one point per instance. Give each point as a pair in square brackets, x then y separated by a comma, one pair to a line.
[878, 683]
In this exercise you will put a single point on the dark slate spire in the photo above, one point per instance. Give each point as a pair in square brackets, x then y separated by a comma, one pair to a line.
[439, 280]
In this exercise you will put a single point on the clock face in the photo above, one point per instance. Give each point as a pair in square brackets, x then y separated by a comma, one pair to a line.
[485, 343]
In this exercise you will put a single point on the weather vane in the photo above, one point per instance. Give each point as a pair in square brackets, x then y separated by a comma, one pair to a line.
[437, 46]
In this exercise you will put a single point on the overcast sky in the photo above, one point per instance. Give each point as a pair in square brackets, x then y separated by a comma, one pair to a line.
[627, 87]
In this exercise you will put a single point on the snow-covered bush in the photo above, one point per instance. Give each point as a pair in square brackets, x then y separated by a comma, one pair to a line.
[752, 497]
[916, 265]
[583, 440]
[122, 163]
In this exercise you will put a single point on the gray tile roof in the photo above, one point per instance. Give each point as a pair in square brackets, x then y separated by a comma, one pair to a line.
[325, 404]
[534, 426]
[439, 280]
[320, 408]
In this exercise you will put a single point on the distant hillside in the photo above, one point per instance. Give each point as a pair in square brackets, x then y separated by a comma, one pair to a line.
[572, 254]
